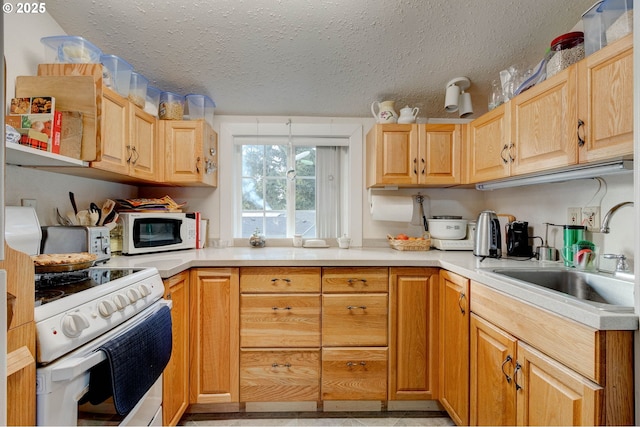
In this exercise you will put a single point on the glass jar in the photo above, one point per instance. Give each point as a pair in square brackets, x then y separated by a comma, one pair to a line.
[496, 97]
[257, 240]
[567, 49]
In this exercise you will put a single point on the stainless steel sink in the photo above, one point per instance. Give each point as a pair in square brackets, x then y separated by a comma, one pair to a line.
[601, 291]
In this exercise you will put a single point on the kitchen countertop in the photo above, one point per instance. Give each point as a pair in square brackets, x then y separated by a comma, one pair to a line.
[460, 262]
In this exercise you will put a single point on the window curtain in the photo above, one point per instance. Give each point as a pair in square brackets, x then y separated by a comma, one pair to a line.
[328, 196]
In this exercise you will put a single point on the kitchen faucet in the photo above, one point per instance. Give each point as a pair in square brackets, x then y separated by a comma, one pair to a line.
[608, 215]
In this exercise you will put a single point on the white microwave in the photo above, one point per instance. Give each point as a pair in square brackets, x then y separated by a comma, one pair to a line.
[148, 232]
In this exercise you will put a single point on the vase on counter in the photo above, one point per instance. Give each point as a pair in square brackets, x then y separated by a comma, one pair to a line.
[386, 112]
[257, 240]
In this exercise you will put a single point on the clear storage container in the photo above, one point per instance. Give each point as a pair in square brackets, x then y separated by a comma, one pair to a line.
[567, 49]
[138, 89]
[153, 100]
[593, 25]
[116, 73]
[618, 18]
[70, 49]
[199, 107]
[171, 106]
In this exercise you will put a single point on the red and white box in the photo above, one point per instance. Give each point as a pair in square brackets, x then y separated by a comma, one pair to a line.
[37, 121]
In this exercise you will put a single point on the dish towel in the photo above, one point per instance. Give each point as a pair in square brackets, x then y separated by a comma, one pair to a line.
[134, 362]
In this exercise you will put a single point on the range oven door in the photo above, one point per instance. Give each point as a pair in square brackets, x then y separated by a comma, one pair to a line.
[62, 384]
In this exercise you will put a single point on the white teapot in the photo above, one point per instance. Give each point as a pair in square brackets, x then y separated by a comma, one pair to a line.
[408, 114]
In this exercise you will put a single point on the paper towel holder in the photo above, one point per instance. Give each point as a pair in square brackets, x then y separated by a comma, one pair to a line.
[369, 195]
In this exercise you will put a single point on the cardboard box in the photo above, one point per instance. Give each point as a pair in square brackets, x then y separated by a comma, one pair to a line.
[41, 131]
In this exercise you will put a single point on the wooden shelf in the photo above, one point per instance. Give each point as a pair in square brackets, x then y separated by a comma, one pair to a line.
[21, 155]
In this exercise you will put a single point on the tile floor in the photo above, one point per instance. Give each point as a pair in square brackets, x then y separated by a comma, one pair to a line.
[392, 418]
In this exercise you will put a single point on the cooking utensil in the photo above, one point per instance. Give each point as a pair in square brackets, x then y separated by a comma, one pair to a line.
[107, 207]
[71, 217]
[72, 197]
[83, 218]
[62, 220]
[94, 208]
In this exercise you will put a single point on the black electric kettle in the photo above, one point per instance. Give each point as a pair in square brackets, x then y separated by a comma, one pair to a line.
[488, 240]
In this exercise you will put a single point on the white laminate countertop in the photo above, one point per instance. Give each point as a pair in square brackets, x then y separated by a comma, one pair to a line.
[460, 262]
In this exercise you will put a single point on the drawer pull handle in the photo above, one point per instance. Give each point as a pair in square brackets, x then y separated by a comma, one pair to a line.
[284, 365]
[352, 281]
[507, 360]
[275, 279]
[283, 308]
[462, 296]
[351, 307]
[515, 378]
[361, 363]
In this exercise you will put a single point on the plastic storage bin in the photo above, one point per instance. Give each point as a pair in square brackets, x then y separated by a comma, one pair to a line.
[152, 101]
[618, 18]
[567, 49]
[594, 34]
[199, 107]
[116, 73]
[171, 106]
[138, 89]
[70, 49]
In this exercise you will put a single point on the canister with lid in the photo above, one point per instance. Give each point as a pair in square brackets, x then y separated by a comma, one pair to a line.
[567, 49]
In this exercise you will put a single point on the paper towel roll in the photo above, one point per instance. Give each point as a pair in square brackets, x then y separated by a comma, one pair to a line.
[391, 208]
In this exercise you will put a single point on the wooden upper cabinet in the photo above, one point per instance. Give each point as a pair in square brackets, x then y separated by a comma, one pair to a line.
[488, 141]
[544, 123]
[412, 155]
[144, 145]
[190, 152]
[605, 79]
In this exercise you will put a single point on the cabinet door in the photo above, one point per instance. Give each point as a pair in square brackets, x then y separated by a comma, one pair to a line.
[439, 154]
[392, 155]
[605, 80]
[551, 394]
[214, 341]
[544, 123]
[210, 157]
[413, 356]
[454, 346]
[175, 378]
[488, 150]
[116, 149]
[183, 150]
[493, 360]
[144, 145]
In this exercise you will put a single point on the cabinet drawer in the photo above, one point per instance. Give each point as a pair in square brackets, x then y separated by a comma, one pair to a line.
[283, 320]
[354, 374]
[355, 320]
[279, 375]
[276, 280]
[355, 279]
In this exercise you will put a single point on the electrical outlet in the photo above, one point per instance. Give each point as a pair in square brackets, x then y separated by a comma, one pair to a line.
[591, 217]
[29, 202]
[574, 216]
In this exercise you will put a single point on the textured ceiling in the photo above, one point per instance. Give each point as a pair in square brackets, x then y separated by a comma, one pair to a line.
[321, 57]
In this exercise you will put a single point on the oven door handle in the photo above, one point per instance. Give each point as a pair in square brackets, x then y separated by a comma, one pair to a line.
[74, 366]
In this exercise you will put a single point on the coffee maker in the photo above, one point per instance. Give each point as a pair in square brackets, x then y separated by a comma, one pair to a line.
[518, 239]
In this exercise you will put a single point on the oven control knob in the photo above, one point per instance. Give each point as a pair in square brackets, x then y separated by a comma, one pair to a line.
[144, 290]
[73, 324]
[106, 308]
[121, 301]
[134, 295]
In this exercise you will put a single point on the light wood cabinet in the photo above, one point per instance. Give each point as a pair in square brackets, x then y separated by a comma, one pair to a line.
[279, 334]
[214, 335]
[191, 152]
[355, 326]
[522, 371]
[413, 344]
[454, 341]
[605, 80]
[175, 377]
[413, 155]
[489, 139]
[129, 139]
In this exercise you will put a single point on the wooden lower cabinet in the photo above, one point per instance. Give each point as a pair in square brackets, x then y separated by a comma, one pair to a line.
[454, 345]
[413, 344]
[277, 375]
[175, 378]
[214, 336]
[354, 373]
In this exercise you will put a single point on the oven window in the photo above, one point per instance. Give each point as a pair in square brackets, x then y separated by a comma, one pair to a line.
[153, 232]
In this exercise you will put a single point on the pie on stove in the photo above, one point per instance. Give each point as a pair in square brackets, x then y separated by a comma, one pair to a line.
[58, 259]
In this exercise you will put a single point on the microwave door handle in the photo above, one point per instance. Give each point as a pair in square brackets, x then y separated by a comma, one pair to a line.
[76, 366]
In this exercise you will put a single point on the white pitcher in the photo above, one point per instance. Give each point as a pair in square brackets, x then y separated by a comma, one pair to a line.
[408, 114]
[386, 113]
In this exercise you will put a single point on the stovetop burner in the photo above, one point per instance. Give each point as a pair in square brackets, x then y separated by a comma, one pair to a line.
[54, 286]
